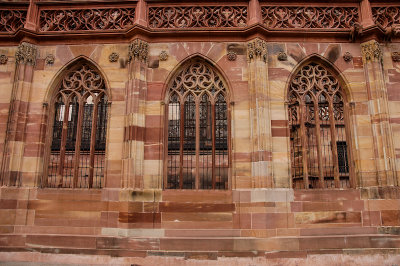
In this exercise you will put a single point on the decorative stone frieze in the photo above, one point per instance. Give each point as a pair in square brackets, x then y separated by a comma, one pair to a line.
[231, 56]
[3, 59]
[86, 19]
[371, 51]
[12, 20]
[257, 49]
[163, 56]
[386, 16]
[113, 57]
[197, 16]
[26, 54]
[138, 50]
[309, 17]
[282, 56]
[347, 57]
[50, 59]
[396, 57]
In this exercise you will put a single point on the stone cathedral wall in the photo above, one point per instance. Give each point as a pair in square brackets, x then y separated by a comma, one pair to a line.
[260, 214]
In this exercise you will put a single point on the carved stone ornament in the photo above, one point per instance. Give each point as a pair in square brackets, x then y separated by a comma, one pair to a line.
[138, 50]
[50, 59]
[113, 57]
[257, 49]
[396, 57]
[371, 51]
[231, 56]
[163, 56]
[282, 56]
[26, 54]
[205, 16]
[347, 57]
[309, 17]
[3, 59]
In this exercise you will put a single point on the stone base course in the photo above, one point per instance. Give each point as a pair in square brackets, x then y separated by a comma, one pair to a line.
[210, 225]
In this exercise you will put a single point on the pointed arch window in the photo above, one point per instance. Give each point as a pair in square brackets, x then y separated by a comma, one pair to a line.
[197, 124]
[318, 134]
[78, 115]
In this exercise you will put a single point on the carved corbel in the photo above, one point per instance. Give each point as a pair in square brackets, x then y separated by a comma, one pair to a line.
[355, 31]
[26, 54]
[371, 52]
[257, 49]
[138, 51]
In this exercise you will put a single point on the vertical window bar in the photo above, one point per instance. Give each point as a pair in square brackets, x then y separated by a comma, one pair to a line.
[221, 142]
[174, 140]
[189, 145]
[205, 149]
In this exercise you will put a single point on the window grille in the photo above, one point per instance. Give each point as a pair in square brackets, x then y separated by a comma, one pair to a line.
[77, 149]
[319, 155]
[197, 156]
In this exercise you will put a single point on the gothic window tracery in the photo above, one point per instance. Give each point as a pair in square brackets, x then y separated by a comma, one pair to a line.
[318, 138]
[79, 121]
[197, 155]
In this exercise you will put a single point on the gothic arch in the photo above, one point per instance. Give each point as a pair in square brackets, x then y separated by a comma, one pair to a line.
[320, 135]
[52, 87]
[329, 65]
[197, 122]
[201, 57]
[77, 122]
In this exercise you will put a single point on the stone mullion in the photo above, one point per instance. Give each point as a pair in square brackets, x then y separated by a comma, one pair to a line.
[11, 170]
[304, 143]
[78, 141]
[93, 141]
[63, 141]
[135, 115]
[197, 127]
[319, 145]
[333, 145]
[259, 114]
[378, 105]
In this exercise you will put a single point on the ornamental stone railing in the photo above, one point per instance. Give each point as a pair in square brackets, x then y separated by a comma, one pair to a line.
[281, 17]
[386, 16]
[86, 19]
[197, 17]
[11, 20]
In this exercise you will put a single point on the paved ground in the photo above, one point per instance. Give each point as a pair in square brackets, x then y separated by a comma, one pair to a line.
[34, 259]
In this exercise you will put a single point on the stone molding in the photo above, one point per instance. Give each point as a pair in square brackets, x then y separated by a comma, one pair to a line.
[138, 51]
[371, 51]
[257, 49]
[26, 54]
